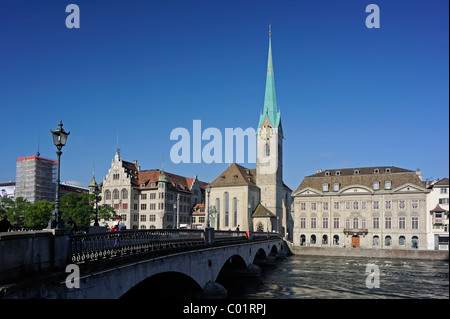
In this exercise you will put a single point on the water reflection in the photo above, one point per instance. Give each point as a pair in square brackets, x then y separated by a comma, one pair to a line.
[345, 277]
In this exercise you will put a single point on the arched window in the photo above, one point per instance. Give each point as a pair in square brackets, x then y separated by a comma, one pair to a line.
[226, 201]
[107, 194]
[335, 240]
[388, 241]
[259, 227]
[376, 240]
[415, 242]
[218, 212]
[302, 240]
[324, 239]
[313, 239]
[402, 240]
[124, 194]
[235, 216]
[116, 194]
[267, 149]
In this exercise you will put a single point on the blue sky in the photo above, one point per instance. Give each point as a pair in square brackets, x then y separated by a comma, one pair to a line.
[349, 96]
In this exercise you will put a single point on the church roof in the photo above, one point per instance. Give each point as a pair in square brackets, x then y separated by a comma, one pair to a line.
[236, 175]
[262, 211]
[270, 101]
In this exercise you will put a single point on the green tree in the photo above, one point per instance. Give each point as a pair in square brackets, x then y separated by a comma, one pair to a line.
[38, 214]
[78, 206]
[14, 209]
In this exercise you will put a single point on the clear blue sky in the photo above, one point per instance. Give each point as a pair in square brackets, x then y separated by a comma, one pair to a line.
[349, 96]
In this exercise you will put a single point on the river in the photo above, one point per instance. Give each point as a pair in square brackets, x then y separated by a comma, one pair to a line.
[302, 277]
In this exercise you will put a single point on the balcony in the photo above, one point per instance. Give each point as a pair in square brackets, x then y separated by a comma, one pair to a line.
[438, 221]
[356, 231]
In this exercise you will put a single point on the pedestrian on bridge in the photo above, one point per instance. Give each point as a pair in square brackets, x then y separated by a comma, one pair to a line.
[117, 226]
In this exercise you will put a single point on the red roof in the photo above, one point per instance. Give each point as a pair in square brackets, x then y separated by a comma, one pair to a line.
[438, 209]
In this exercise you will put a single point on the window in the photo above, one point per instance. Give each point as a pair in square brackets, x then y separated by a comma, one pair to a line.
[335, 187]
[387, 185]
[387, 170]
[402, 222]
[376, 240]
[443, 190]
[116, 176]
[143, 218]
[347, 223]
[376, 204]
[376, 170]
[388, 241]
[325, 222]
[415, 222]
[124, 194]
[376, 185]
[376, 223]
[338, 173]
[267, 150]
[153, 206]
[302, 206]
[388, 223]
[107, 194]
[443, 201]
[414, 242]
[125, 205]
[116, 194]
[363, 205]
[325, 205]
[302, 222]
[347, 205]
[414, 204]
[313, 222]
[335, 240]
[336, 222]
[324, 240]
[143, 206]
[355, 223]
[226, 198]
[336, 205]
[363, 223]
[355, 205]
[313, 239]
[152, 218]
[314, 206]
[325, 187]
[401, 204]
[235, 216]
[143, 196]
[356, 172]
[402, 241]
[388, 204]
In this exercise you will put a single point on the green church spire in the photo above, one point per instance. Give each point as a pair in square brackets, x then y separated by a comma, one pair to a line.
[270, 101]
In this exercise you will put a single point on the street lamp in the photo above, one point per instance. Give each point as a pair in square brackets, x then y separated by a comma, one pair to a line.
[94, 189]
[208, 190]
[59, 139]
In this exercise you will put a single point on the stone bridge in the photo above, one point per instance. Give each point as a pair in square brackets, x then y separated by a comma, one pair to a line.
[138, 263]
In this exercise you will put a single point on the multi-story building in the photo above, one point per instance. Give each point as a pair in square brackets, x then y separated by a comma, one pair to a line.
[36, 178]
[369, 207]
[150, 198]
[437, 209]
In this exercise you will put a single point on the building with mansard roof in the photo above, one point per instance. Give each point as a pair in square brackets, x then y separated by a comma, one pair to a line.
[257, 199]
[370, 207]
[149, 198]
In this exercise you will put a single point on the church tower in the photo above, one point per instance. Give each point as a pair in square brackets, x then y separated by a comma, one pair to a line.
[269, 158]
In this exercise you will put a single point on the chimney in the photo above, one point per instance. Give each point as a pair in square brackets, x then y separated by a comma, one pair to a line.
[419, 173]
[319, 171]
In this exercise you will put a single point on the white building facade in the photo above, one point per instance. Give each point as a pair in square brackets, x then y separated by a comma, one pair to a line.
[438, 219]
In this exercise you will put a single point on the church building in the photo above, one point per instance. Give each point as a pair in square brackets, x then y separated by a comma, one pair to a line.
[256, 199]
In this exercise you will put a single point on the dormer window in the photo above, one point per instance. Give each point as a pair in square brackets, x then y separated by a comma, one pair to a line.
[376, 185]
[387, 170]
[327, 173]
[356, 172]
[325, 187]
[376, 170]
[338, 173]
[336, 187]
[387, 185]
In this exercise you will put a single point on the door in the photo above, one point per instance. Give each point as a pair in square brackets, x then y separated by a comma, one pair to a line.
[355, 242]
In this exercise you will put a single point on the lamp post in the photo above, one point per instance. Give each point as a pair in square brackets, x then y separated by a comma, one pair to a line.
[59, 139]
[208, 191]
[94, 189]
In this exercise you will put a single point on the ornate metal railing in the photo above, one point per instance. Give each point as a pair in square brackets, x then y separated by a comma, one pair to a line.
[88, 247]
[95, 246]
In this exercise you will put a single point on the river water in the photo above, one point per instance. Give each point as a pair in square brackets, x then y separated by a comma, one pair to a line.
[302, 277]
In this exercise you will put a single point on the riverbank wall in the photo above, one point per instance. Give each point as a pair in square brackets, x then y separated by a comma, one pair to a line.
[370, 253]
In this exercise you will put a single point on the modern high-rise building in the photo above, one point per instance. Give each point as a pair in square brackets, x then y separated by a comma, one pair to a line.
[36, 178]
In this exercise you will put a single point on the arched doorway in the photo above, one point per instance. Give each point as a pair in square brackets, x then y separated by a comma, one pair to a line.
[355, 241]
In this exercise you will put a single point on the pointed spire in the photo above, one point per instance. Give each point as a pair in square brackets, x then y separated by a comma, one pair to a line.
[93, 182]
[270, 101]
[162, 176]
